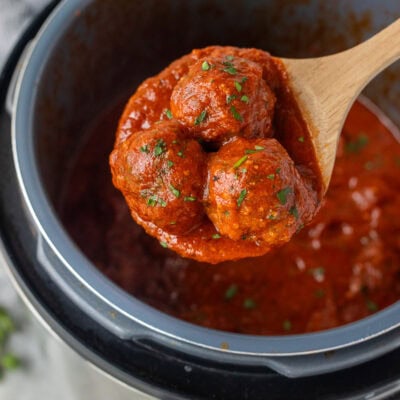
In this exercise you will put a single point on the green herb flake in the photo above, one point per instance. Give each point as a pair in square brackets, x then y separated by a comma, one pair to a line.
[175, 191]
[238, 163]
[200, 118]
[241, 197]
[230, 98]
[318, 273]
[249, 304]
[236, 114]
[164, 244]
[244, 79]
[152, 201]
[245, 99]
[162, 203]
[294, 212]
[216, 236]
[283, 194]
[180, 154]
[271, 176]
[170, 163]
[278, 170]
[371, 306]
[227, 213]
[255, 150]
[230, 69]
[230, 293]
[145, 149]
[287, 325]
[301, 139]
[160, 147]
[319, 293]
[238, 86]
[230, 58]
[357, 145]
[10, 362]
[205, 66]
[168, 113]
[189, 198]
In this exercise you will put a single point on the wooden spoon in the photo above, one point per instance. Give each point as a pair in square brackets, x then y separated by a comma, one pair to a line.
[326, 87]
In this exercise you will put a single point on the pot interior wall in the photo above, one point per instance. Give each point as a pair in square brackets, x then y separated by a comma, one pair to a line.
[113, 45]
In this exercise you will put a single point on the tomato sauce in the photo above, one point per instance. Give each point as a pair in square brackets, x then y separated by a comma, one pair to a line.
[341, 268]
[214, 158]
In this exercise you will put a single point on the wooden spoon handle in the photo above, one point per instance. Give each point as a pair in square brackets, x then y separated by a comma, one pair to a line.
[326, 87]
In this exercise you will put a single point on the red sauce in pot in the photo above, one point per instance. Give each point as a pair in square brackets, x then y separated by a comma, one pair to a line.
[342, 267]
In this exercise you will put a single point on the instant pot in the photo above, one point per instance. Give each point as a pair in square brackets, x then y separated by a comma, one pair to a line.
[75, 60]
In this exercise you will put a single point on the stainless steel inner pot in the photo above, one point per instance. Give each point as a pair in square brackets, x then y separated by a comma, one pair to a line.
[89, 53]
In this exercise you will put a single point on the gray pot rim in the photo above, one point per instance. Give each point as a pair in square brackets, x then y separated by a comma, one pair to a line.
[51, 229]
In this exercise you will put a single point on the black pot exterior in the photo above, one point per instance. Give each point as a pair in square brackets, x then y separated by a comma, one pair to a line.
[68, 92]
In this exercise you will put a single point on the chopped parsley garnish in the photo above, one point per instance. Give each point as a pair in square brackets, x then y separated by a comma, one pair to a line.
[180, 153]
[278, 170]
[301, 139]
[255, 150]
[238, 86]
[238, 163]
[164, 244]
[170, 163]
[145, 149]
[168, 113]
[230, 69]
[230, 58]
[160, 147]
[357, 145]
[216, 236]
[249, 304]
[287, 325]
[227, 213]
[271, 176]
[319, 293]
[153, 200]
[175, 191]
[236, 114]
[371, 306]
[244, 79]
[189, 198]
[241, 197]
[205, 66]
[318, 273]
[294, 212]
[283, 194]
[200, 118]
[271, 216]
[231, 291]
[245, 99]
[230, 98]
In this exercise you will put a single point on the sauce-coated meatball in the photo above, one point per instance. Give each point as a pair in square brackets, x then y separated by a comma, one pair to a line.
[222, 97]
[161, 172]
[254, 192]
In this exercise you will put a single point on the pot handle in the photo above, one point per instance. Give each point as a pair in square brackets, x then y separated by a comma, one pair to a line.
[12, 88]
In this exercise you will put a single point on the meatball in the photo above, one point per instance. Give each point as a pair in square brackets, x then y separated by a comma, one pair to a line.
[160, 172]
[222, 97]
[254, 192]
